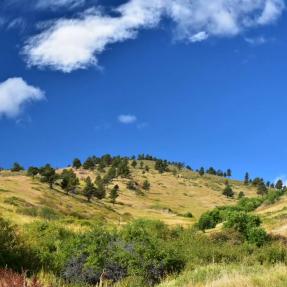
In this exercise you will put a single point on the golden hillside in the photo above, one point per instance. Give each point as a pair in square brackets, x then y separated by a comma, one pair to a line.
[171, 196]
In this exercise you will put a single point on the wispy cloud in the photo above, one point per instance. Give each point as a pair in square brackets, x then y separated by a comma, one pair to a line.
[256, 41]
[71, 44]
[55, 4]
[127, 119]
[14, 94]
[142, 125]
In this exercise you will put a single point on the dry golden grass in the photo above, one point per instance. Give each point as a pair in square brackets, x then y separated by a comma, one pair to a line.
[275, 216]
[231, 276]
[170, 197]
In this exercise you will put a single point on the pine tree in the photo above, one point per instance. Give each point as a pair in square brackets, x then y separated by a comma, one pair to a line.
[134, 163]
[201, 171]
[77, 163]
[17, 167]
[146, 185]
[228, 192]
[262, 189]
[32, 171]
[279, 184]
[246, 178]
[89, 189]
[49, 175]
[70, 181]
[229, 173]
[100, 191]
[114, 194]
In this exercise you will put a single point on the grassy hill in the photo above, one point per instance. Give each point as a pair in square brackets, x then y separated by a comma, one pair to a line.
[171, 196]
[59, 232]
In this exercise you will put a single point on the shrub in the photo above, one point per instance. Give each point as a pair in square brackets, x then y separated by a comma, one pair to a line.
[257, 235]
[242, 222]
[146, 185]
[13, 253]
[188, 214]
[249, 204]
[50, 242]
[209, 219]
[228, 192]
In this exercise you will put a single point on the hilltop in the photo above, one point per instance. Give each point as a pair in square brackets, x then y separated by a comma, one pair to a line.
[173, 196]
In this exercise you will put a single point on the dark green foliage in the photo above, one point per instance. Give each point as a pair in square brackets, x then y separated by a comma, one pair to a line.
[279, 184]
[209, 219]
[123, 168]
[241, 195]
[201, 171]
[257, 180]
[246, 178]
[89, 163]
[89, 189]
[211, 171]
[114, 194]
[48, 175]
[17, 167]
[132, 185]
[188, 214]
[134, 163]
[70, 182]
[100, 192]
[110, 175]
[161, 166]
[257, 235]
[32, 171]
[228, 192]
[229, 173]
[77, 163]
[146, 185]
[261, 188]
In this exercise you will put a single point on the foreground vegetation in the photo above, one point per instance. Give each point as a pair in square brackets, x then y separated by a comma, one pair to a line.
[94, 224]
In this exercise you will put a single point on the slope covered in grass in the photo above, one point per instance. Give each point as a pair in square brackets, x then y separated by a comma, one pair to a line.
[172, 195]
[231, 276]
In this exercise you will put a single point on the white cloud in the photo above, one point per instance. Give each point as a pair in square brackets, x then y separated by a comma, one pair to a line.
[55, 4]
[127, 119]
[14, 93]
[200, 36]
[70, 44]
[142, 125]
[256, 40]
[272, 10]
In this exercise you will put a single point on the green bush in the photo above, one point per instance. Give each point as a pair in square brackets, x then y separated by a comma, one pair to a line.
[14, 253]
[257, 235]
[209, 219]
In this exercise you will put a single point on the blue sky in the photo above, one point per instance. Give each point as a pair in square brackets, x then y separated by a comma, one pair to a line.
[189, 81]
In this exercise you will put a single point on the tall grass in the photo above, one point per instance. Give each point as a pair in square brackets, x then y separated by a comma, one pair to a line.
[231, 276]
